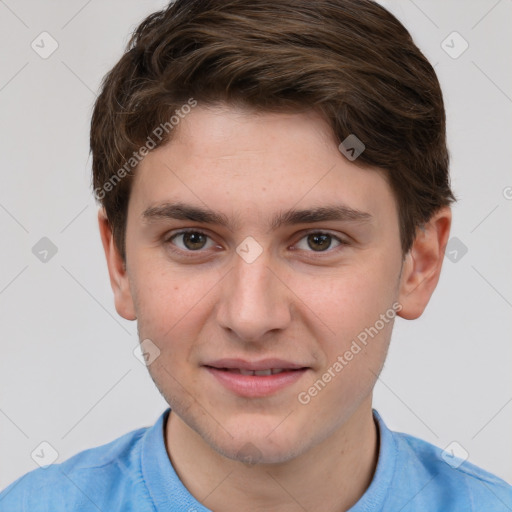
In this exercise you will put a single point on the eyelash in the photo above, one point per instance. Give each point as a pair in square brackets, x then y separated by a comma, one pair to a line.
[191, 254]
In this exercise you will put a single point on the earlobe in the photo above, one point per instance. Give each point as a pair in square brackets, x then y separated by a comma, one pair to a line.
[422, 265]
[117, 271]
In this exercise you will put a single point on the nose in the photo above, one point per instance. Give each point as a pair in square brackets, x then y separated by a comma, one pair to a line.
[255, 300]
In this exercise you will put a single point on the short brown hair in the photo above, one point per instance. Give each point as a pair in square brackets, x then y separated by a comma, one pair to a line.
[351, 60]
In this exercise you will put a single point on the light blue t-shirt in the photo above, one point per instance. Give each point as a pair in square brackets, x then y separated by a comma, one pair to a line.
[134, 473]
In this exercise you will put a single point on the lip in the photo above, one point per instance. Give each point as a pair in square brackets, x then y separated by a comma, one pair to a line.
[255, 386]
[262, 364]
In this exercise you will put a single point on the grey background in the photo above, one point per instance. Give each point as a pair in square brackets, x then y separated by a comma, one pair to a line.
[68, 375]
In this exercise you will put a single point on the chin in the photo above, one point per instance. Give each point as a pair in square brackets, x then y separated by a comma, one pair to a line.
[248, 438]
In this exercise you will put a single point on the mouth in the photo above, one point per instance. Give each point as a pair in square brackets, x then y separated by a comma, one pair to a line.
[255, 379]
[258, 373]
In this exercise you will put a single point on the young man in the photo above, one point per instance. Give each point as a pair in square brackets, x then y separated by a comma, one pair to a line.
[274, 184]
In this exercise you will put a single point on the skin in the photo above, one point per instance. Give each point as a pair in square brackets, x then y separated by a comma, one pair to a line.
[293, 302]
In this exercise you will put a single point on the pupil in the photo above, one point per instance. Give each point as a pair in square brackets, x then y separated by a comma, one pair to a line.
[319, 242]
[193, 241]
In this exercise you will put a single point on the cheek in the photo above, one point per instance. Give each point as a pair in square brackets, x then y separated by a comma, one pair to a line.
[348, 300]
[345, 309]
[171, 303]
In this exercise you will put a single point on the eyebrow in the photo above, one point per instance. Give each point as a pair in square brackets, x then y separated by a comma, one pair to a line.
[182, 211]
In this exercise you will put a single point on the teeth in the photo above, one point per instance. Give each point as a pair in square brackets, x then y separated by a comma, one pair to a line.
[261, 373]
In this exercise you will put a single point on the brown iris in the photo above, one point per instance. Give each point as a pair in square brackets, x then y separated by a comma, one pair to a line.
[194, 241]
[319, 241]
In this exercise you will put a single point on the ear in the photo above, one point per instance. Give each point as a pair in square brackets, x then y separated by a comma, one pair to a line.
[117, 270]
[422, 265]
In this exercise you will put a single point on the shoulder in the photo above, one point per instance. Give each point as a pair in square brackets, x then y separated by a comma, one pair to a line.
[82, 482]
[441, 477]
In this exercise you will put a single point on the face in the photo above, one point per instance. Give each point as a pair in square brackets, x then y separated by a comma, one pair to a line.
[252, 243]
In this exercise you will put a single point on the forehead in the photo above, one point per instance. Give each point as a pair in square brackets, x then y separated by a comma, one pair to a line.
[234, 160]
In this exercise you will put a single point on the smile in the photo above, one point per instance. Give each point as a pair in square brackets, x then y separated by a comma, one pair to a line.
[255, 383]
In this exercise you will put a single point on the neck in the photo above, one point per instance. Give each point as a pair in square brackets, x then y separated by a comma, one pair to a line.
[331, 476]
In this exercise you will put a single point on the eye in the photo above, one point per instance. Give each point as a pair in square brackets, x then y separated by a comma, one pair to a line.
[319, 242]
[196, 241]
[191, 240]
